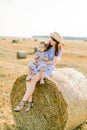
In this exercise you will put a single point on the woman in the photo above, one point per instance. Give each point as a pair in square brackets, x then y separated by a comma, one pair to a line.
[54, 55]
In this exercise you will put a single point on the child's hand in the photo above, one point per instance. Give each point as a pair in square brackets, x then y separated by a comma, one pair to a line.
[36, 56]
[41, 57]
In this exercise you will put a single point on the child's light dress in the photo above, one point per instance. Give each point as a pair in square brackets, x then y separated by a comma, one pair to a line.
[42, 65]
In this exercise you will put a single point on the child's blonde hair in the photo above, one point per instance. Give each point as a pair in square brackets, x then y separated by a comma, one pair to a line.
[45, 45]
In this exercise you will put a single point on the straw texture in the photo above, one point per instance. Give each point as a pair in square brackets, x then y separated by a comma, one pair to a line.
[73, 86]
[59, 104]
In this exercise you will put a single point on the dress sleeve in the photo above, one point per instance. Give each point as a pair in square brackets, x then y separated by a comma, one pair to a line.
[38, 53]
[46, 55]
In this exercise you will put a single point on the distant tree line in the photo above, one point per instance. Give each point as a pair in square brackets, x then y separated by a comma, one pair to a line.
[75, 38]
[64, 37]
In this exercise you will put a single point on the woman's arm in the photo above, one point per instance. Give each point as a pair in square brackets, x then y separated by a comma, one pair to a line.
[50, 62]
[56, 58]
[44, 58]
[59, 54]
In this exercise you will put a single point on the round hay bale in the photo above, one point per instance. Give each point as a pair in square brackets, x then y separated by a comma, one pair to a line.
[21, 54]
[73, 85]
[49, 111]
[59, 104]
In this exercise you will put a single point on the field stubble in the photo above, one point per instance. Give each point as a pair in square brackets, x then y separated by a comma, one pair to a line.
[74, 56]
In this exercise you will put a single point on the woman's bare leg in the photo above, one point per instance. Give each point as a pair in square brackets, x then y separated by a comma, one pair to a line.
[29, 99]
[30, 85]
[29, 104]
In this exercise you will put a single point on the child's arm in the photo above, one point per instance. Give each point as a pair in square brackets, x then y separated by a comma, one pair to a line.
[35, 56]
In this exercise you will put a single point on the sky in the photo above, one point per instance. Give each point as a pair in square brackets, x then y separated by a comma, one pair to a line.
[26, 18]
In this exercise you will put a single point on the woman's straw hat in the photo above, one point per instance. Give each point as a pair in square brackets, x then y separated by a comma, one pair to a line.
[56, 36]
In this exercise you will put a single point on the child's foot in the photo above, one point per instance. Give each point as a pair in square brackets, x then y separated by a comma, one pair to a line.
[41, 81]
[29, 77]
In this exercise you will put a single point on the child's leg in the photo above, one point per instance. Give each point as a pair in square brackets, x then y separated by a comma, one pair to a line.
[30, 70]
[42, 76]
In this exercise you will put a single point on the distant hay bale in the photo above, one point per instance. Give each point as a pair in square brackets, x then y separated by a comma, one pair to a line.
[35, 39]
[21, 54]
[15, 41]
[59, 105]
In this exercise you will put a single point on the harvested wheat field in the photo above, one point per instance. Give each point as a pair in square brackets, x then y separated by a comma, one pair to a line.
[11, 69]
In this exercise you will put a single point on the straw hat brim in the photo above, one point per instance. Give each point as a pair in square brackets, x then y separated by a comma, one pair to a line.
[57, 37]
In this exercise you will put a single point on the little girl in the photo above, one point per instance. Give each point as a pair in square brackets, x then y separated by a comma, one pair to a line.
[40, 56]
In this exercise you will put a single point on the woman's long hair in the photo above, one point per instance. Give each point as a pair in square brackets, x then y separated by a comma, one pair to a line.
[56, 46]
